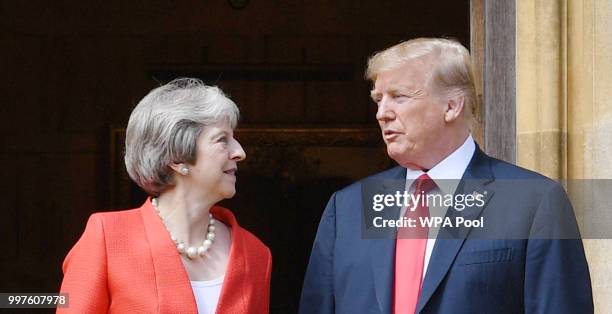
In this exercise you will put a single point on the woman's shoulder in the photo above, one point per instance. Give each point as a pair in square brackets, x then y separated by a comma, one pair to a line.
[114, 219]
[115, 214]
[100, 228]
[253, 243]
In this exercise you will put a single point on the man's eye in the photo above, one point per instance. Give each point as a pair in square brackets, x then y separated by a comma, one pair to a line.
[222, 139]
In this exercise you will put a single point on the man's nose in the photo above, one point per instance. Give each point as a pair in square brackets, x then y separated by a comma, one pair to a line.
[384, 112]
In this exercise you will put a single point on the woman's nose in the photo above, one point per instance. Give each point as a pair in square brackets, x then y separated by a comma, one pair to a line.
[237, 152]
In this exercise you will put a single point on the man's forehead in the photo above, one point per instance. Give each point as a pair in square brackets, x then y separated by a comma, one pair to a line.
[410, 75]
[395, 84]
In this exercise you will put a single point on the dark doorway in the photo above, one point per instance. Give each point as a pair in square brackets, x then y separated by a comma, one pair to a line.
[74, 70]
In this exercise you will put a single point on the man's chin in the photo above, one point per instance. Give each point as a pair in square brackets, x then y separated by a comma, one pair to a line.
[396, 154]
[402, 158]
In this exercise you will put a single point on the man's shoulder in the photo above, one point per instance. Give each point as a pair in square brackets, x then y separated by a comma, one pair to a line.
[499, 169]
[504, 170]
[521, 182]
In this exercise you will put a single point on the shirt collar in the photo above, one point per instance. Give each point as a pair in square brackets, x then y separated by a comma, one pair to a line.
[451, 167]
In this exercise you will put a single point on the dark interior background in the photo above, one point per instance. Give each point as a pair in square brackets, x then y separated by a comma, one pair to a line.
[73, 70]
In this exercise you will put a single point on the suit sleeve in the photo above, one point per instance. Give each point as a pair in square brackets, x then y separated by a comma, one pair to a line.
[85, 275]
[318, 290]
[557, 276]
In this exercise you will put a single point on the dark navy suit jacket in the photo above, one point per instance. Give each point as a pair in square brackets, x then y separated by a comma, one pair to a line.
[348, 273]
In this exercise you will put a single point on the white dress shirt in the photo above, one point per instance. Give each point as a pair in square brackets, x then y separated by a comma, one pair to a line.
[446, 175]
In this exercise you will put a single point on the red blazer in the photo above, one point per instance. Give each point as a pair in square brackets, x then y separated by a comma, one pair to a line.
[125, 262]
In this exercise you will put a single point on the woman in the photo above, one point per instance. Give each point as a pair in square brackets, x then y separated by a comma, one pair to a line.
[177, 253]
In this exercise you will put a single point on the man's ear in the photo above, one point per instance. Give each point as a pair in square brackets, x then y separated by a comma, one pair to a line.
[454, 108]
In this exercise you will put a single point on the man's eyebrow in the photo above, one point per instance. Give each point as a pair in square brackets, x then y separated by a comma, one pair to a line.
[405, 89]
[415, 92]
[398, 88]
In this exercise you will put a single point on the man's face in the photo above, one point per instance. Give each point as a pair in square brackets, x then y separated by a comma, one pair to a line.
[410, 116]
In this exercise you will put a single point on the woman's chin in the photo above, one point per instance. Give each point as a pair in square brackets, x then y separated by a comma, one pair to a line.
[228, 193]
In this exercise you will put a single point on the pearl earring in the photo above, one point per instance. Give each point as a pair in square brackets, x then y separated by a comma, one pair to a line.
[184, 170]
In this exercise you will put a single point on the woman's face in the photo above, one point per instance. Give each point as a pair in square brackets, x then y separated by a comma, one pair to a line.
[218, 153]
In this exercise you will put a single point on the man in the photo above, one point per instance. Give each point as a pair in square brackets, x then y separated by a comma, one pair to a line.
[425, 93]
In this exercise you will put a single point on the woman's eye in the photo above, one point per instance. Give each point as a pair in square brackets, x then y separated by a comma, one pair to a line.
[222, 139]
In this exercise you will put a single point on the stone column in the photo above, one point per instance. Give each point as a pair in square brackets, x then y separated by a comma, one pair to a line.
[564, 106]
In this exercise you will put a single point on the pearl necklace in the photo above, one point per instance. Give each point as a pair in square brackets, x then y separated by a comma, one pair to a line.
[191, 252]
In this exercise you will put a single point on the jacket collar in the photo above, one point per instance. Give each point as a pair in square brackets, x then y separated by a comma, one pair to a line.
[173, 285]
[475, 180]
[383, 254]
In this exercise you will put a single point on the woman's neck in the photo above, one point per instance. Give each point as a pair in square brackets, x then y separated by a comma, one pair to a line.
[185, 215]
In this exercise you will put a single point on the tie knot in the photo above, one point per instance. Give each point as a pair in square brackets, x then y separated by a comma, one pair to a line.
[424, 183]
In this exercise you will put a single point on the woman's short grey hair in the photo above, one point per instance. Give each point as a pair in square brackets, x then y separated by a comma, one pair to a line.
[164, 128]
[452, 67]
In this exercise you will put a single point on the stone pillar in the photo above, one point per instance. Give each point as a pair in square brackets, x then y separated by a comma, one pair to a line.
[564, 104]
[540, 55]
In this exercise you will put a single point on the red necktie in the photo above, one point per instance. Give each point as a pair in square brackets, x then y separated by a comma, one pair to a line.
[410, 246]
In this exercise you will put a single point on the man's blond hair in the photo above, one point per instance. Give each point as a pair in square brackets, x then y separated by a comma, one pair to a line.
[451, 67]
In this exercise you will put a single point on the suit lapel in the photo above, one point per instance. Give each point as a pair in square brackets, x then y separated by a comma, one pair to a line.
[173, 286]
[477, 175]
[175, 294]
[382, 252]
[233, 295]
[382, 255]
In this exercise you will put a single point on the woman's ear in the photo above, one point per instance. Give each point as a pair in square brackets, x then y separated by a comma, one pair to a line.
[180, 168]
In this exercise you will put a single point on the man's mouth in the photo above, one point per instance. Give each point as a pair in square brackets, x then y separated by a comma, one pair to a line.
[231, 171]
[389, 134]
